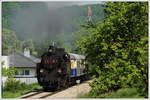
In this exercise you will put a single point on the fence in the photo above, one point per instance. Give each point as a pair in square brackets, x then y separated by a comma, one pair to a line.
[27, 80]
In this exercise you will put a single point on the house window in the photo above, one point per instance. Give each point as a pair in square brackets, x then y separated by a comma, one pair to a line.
[16, 73]
[26, 72]
[22, 72]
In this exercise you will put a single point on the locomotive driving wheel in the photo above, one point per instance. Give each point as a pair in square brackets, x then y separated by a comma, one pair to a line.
[50, 88]
[63, 82]
[66, 83]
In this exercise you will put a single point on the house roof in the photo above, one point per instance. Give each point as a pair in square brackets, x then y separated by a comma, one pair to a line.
[76, 56]
[33, 58]
[19, 60]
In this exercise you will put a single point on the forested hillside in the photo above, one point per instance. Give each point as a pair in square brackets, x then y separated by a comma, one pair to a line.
[37, 24]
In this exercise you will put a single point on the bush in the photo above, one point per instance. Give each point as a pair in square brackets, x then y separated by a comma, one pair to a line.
[119, 75]
[10, 72]
[12, 85]
[121, 93]
[124, 93]
[14, 88]
[24, 85]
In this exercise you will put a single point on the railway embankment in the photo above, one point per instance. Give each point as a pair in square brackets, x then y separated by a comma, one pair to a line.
[71, 92]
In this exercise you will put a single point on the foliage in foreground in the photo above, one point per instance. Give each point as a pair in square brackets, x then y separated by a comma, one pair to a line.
[9, 72]
[118, 48]
[13, 88]
[121, 93]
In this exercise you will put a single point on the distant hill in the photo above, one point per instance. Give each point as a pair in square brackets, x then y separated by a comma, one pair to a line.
[41, 24]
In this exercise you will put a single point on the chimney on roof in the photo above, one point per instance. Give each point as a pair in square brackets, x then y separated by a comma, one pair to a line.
[26, 52]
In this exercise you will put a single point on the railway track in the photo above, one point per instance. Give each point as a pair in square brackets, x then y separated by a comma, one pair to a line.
[30, 95]
[52, 93]
[41, 94]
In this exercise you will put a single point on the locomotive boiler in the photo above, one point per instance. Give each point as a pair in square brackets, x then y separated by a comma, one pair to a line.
[59, 69]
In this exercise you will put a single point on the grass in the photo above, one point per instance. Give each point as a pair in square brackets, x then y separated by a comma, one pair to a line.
[8, 94]
[20, 92]
[121, 93]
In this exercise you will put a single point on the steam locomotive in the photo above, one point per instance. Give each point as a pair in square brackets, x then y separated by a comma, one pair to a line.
[59, 69]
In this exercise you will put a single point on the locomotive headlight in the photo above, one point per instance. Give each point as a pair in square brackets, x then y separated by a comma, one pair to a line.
[50, 50]
[41, 70]
[53, 61]
[59, 71]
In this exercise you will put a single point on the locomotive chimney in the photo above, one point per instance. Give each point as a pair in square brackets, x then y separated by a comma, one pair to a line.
[53, 44]
[26, 52]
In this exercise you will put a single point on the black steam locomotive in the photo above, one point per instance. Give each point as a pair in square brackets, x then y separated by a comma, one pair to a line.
[60, 69]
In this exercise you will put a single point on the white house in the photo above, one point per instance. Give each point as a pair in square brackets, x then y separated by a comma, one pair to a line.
[5, 59]
[26, 65]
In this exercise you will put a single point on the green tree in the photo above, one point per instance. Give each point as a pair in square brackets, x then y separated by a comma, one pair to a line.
[10, 72]
[9, 38]
[118, 48]
[4, 70]
[28, 44]
[8, 10]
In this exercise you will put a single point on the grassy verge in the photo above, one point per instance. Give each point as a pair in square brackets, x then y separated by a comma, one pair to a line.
[20, 92]
[121, 93]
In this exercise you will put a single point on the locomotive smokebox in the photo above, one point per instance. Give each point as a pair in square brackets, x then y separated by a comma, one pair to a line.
[53, 68]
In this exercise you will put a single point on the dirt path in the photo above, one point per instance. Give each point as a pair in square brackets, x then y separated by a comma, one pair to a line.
[74, 91]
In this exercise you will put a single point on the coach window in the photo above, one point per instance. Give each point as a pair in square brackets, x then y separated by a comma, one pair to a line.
[78, 63]
[82, 62]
